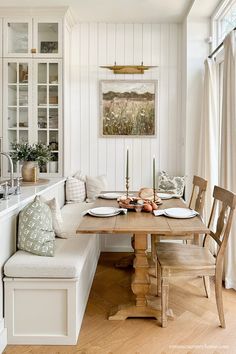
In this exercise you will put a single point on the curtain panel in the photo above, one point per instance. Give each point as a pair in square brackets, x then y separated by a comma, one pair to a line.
[228, 148]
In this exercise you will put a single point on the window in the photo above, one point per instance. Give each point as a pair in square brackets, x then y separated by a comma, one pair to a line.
[223, 21]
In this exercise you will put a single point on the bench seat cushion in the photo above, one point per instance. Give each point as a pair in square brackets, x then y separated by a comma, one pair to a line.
[71, 215]
[70, 255]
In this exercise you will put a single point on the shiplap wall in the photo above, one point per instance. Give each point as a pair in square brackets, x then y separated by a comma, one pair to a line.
[95, 44]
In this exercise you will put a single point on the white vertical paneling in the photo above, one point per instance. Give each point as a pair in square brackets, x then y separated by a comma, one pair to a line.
[173, 98]
[73, 138]
[100, 44]
[102, 57]
[93, 91]
[164, 98]
[84, 94]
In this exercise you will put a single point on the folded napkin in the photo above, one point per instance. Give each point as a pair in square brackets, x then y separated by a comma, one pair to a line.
[120, 210]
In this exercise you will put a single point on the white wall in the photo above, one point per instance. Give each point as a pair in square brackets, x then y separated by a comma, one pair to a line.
[97, 44]
[197, 50]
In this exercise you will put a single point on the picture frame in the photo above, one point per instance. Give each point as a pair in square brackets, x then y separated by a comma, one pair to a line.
[128, 108]
[48, 47]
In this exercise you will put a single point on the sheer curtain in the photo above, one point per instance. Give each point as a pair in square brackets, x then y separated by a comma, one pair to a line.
[208, 163]
[228, 147]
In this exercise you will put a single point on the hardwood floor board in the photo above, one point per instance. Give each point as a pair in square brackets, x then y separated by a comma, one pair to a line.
[195, 329]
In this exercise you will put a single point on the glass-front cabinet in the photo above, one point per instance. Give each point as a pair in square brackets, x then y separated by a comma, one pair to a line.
[32, 101]
[17, 102]
[48, 109]
[32, 38]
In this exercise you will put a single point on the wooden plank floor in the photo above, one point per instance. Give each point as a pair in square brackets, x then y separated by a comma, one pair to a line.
[195, 329]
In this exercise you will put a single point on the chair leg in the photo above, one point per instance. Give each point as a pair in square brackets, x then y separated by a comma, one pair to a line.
[158, 271]
[164, 301]
[219, 300]
[207, 286]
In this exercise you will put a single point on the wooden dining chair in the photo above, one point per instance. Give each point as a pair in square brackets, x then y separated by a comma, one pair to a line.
[178, 260]
[196, 202]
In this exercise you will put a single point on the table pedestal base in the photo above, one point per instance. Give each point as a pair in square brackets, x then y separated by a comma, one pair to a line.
[131, 310]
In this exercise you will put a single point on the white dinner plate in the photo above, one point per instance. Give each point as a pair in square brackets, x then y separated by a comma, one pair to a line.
[109, 195]
[103, 211]
[103, 215]
[165, 195]
[180, 213]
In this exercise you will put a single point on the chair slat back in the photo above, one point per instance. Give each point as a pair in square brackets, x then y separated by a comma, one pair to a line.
[199, 187]
[226, 202]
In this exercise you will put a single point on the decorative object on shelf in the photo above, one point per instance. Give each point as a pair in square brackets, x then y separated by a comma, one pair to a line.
[128, 108]
[128, 69]
[49, 47]
[32, 156]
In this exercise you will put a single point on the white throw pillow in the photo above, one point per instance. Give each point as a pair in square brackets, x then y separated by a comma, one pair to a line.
[94, 186]
[75, 190]
[57, 221]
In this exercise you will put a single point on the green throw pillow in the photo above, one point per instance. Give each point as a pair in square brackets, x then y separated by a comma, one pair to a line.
[35, 231]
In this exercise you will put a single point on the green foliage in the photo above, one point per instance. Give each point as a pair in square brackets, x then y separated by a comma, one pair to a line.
[35, 152]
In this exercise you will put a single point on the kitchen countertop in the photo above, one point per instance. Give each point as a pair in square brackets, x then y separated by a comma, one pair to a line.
[28, 193]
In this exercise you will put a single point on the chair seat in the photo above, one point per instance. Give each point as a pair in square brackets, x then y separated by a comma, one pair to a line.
[185, 257]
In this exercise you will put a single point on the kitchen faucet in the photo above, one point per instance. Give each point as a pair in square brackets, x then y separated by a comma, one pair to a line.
[11, 167]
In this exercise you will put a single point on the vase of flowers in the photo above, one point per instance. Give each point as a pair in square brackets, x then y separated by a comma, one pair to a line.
[32, 157]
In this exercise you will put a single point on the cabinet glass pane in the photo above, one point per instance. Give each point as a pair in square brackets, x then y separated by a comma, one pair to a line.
[53, 165]
[53, 118]
[42, 137]
[17, 37]
[12, 117]
[53, 95]
[53, 73]
[12, 95]
[23, 73]
[23, 95]
[42, 118]
[12, 73]
[23, 136]
[12, 135]
[42, 73]
[53, 140]
[48, 37]
[23, 117]
[42, 95]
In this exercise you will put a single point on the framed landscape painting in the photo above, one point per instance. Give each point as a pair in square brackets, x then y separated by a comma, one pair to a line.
[128, 108]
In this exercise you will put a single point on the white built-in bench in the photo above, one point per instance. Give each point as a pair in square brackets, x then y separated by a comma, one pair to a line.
[45, 297]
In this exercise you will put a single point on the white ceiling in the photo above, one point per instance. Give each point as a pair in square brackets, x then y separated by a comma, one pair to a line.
[120, 11]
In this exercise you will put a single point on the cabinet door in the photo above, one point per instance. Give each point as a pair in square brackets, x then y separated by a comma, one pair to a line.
[17, 37]
[17, 104]
[47, 41]
[48, 108]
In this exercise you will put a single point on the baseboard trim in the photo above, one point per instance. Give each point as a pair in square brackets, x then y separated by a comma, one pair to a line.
[3, 339]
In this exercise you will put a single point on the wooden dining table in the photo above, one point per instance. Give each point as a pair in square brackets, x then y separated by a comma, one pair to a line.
[140, 225]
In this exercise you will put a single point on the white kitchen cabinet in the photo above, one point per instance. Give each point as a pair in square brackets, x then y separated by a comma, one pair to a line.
[32, 37]
[32, 108]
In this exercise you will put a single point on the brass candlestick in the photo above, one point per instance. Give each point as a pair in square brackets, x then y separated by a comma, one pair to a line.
[127, 186]
[154, 195]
